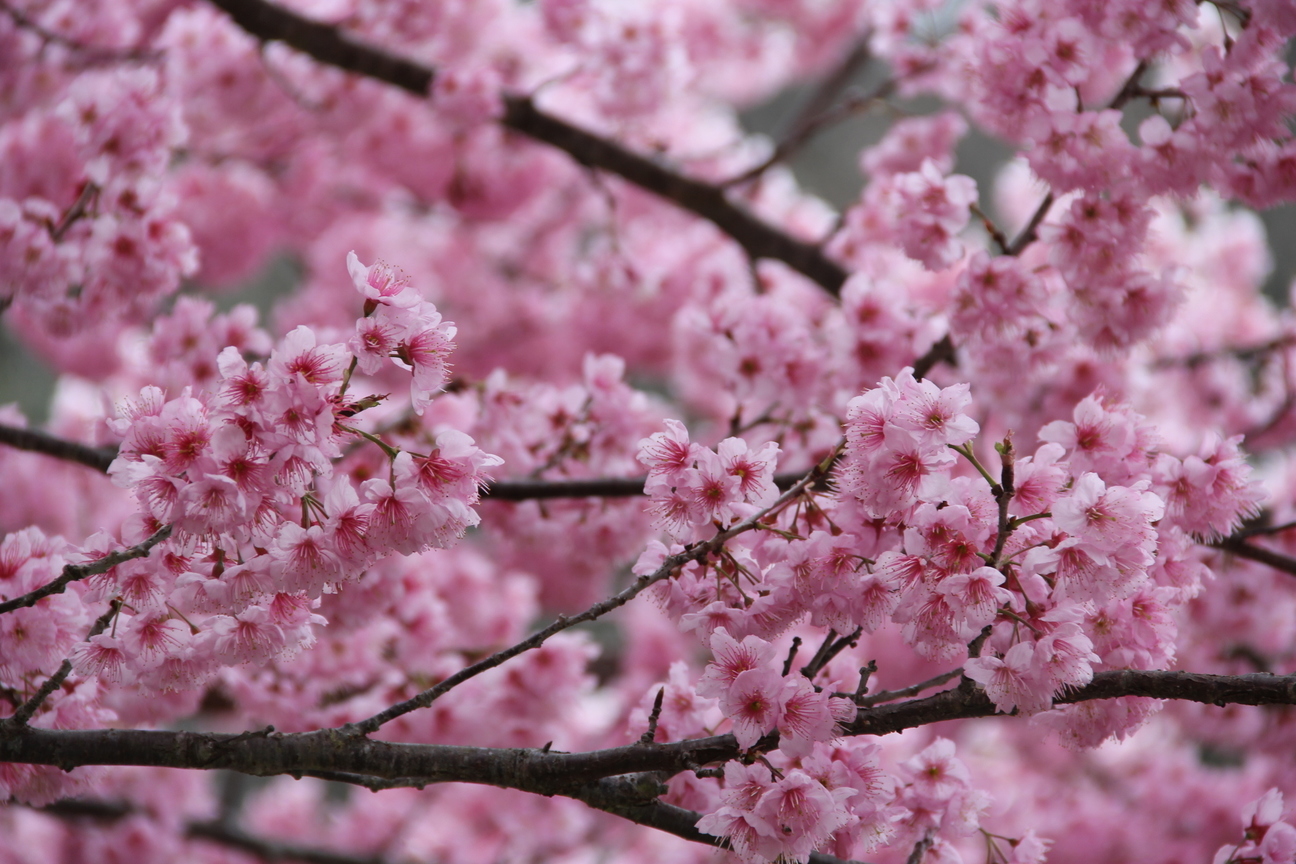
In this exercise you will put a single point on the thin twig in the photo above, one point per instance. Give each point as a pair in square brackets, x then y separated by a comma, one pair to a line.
[920, 849]
[1003, 495]
[837, 79]
[1130, 88]
[911, 690]
[865, 673]
[648, 736]
[213, 832]
[991, 228]
[79, 208]
[818, 116]
[29, 708]
[791, 656]
[1245, 353]
[829, 650]
[93, 54]
[1030, 234]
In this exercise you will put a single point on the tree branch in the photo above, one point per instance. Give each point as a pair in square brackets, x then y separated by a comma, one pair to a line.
[819, 112]
[698, 552]
[55, 681]
[1243, 549]
[620, 796]
[214, 832]
[625, 797]
[551, 772]
[330, 46]
[40, 442]
[594, 487]
[76, 572]
[503, 490]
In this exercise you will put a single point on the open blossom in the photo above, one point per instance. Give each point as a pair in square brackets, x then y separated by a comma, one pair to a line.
[754, 468]
[691, 487]
[400, 328]
[1109, 519]
[381, 284]
[801, 813]
[103, 656]
[668, 455]
[1011, 682]
[1267, 838]
[931, 209]
[1064, 658]
[786, 819]
[807, 717]
[754, 702]
[732, 658]
[897, 438]
[977, 595]
[1211, 493]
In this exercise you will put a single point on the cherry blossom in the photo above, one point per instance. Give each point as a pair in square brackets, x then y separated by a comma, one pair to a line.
[465, 393]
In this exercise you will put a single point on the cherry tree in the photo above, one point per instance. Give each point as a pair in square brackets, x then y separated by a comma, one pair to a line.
[597, 493]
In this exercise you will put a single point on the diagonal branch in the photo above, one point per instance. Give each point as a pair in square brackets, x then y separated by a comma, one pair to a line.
[76, 572]
[698, 552]
[629, 798]
[55, 681]
[329, 45]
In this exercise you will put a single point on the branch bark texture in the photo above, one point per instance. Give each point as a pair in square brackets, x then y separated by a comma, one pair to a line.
[549, 772]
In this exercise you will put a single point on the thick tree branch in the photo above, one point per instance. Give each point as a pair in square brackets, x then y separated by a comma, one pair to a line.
[551, 772]
[270, 23]
[330, 46]
[595, 487]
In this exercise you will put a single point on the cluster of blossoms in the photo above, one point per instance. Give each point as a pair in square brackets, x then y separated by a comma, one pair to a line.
[86, 231]
[1091, 510]
[264, 524]
[757, 699]
[1070, 563]
[694, 488]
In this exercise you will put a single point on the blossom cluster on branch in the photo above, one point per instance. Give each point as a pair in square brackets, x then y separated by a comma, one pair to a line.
[717, 523]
